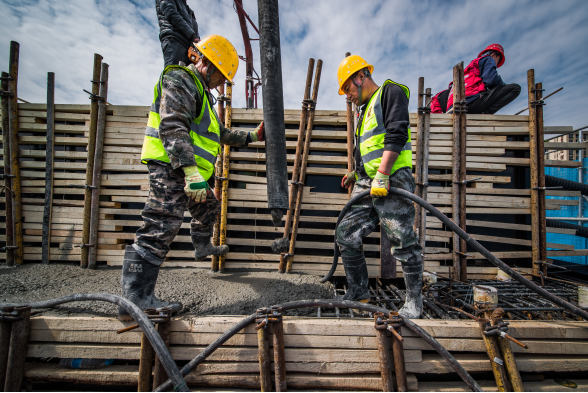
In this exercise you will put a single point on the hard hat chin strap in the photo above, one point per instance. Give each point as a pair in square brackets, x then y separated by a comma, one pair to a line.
[358, 88]
[209, 73]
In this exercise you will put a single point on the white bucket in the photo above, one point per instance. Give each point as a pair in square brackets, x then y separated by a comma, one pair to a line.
[486, 296]
[502, 276]
[582, 296]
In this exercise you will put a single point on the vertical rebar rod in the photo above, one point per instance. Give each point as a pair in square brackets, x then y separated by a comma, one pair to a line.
[455, 191]
[496, 360]
[17, 352]
[419, 155]
[46, 234]
[350, 139]
[7, 169]
[386, 359]
[146, 356]
[279, 354]
[535, 222]
[263, 346]
[91, 148]
[5, 330]
[159, 373]
[298, 157]
[510, 364]
[95, 205]
[425, 177]
[541, 177]
[15, 151]
[462, 175]
[303, 164]
[399, 362]
[225, 187]
[218, 184]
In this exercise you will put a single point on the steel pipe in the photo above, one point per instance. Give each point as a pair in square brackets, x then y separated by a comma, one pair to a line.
[5, 330]
[17, 353]
[7, 178]
[47, 210]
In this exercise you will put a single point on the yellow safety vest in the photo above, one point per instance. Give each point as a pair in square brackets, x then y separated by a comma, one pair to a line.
[371, 132]
[204, 131]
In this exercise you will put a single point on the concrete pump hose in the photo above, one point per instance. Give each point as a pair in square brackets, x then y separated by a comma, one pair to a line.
[465, 376]
[472, 243]
[157, 343]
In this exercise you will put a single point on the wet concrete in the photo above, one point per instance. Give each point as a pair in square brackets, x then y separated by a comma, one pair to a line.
[200, 291]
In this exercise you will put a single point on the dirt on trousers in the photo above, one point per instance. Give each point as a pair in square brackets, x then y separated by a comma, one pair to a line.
[202, 292]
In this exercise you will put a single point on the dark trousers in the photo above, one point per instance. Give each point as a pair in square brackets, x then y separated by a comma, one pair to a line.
[174, 51]
[491, 101]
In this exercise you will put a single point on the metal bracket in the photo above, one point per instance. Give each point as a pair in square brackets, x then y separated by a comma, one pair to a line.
[221, 178]
[94, 96]
[424, 109]
[85, 186]
[81, 246]
[93, 81]
[6, 78]
[468, 180]
[5, 93]
[548, 188]
[422, 184]
[297, 183]
[537, 103]
[5, 248]
[464, 254]
[223, 97]
[287, 254]
[534, 90]
[4, 176]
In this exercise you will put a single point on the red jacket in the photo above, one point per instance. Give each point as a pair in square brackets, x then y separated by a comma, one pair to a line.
[473, 81]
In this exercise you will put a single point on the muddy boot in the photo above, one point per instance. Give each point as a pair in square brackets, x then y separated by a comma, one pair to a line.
[138, 284]
[414, 300]
[203, 247]
[357, 278]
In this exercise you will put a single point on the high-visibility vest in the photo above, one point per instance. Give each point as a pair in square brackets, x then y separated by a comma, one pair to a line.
[472, 80]
[371, 132]
[204, 131]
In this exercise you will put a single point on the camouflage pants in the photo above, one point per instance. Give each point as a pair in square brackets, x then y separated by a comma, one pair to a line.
[164, 213]
[395, 214]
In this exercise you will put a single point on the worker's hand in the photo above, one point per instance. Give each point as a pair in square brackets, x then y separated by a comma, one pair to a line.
[196, 40]
[259, 134]
[348, 179]
[196, 186]
[380, 185]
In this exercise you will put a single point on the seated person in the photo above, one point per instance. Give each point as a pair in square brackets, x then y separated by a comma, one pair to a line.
[485, 90]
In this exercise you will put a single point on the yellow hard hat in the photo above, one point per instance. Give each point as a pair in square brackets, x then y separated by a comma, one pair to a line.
[349, 66]
[221, 53]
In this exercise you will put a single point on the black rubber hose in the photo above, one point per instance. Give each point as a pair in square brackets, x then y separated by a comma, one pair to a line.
[273, 105]
[467, 378]
[157, 343]
[346, 208]
[568, 185]
[580, 230]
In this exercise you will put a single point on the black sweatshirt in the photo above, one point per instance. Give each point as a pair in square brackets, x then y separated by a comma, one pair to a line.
[396, 121]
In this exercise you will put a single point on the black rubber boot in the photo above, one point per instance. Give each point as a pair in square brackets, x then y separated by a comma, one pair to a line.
[357, 278]
[413, 307]
[138, 284]
[203, 247]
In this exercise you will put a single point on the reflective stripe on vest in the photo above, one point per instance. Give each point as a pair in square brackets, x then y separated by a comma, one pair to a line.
[372, 131]
[204, 131]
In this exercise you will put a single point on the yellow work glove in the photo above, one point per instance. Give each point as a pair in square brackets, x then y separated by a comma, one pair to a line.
[348, 179]
[196, 186]
[380, 185]
[258, 134]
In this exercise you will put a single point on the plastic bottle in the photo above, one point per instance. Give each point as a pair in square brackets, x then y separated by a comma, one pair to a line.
[85, 363]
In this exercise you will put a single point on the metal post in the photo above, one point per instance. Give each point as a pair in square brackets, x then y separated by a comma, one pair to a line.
[5, 329]
[218, 184]
[17, 353]
[462, 174]
[95, 205]
[419, 154]
[145, 365]
[15, 151]
[279, 354]
[456, 157]
[46, 238]
[386, 360]
[398, 352]
[541, 176]
[90, 158]
[7, 168]
[159, 373]
[581, 173]
[350, 139]
[225, 187]
[535, 222]
[263, 334]
[298, 157]
[496, 360]
[425, 177]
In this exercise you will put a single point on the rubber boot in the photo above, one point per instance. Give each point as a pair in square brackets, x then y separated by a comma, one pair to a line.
[138, 284]
[203, 247]
[413, 306]
[357, 279]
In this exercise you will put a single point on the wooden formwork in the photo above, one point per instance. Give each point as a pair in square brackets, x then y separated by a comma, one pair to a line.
[491, 141]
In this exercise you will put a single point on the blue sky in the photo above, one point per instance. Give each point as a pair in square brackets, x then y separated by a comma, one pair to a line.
[402, 39]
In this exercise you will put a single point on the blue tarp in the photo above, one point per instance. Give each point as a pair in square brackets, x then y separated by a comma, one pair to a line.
[578, 242]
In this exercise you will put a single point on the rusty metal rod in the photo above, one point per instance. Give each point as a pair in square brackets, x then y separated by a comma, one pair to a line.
[399, 362]
[225, 181]
[90, 158]
[541, 177]
[5, 330]
[496, 361]
[145, 379]
[462, 174]
[425, 172]
[97, 170]
[17, 353]
[303, 165]
[279, 354]
[455, 169]
[386, 359]
[47, 209]
[350, 138]
[15, 151]
[7, 167]
[159, 373]
[295, 183]
[265, 373]
[218, 184]
[419, 154]
[535, 223]
[547, 96]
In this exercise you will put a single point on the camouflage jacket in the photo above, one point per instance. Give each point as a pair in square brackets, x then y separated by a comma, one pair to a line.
[181, 103]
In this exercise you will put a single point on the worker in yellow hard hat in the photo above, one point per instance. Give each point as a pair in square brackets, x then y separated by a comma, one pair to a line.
[383, 159]
[182, 140]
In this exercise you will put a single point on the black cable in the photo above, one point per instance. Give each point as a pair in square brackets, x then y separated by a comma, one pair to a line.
[472, 243]
[327, 303]
[154, 338]
[580, 230]
[568, 185]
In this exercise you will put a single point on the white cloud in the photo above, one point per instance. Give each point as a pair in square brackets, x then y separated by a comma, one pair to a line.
[403, 39]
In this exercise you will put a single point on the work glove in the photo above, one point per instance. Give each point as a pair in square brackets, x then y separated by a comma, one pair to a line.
[380, 184]
[348, 179]
[258, 134]
[196, 186]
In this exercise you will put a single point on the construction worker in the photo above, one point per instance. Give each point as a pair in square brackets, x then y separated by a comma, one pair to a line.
[383, 159]
[484, 89]
[178, 29]
[182, 140]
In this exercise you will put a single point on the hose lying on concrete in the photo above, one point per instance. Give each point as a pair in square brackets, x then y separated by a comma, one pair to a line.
[467, 378]
[157, 343]
[580, 230]
[568, 185]
[470, 241]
